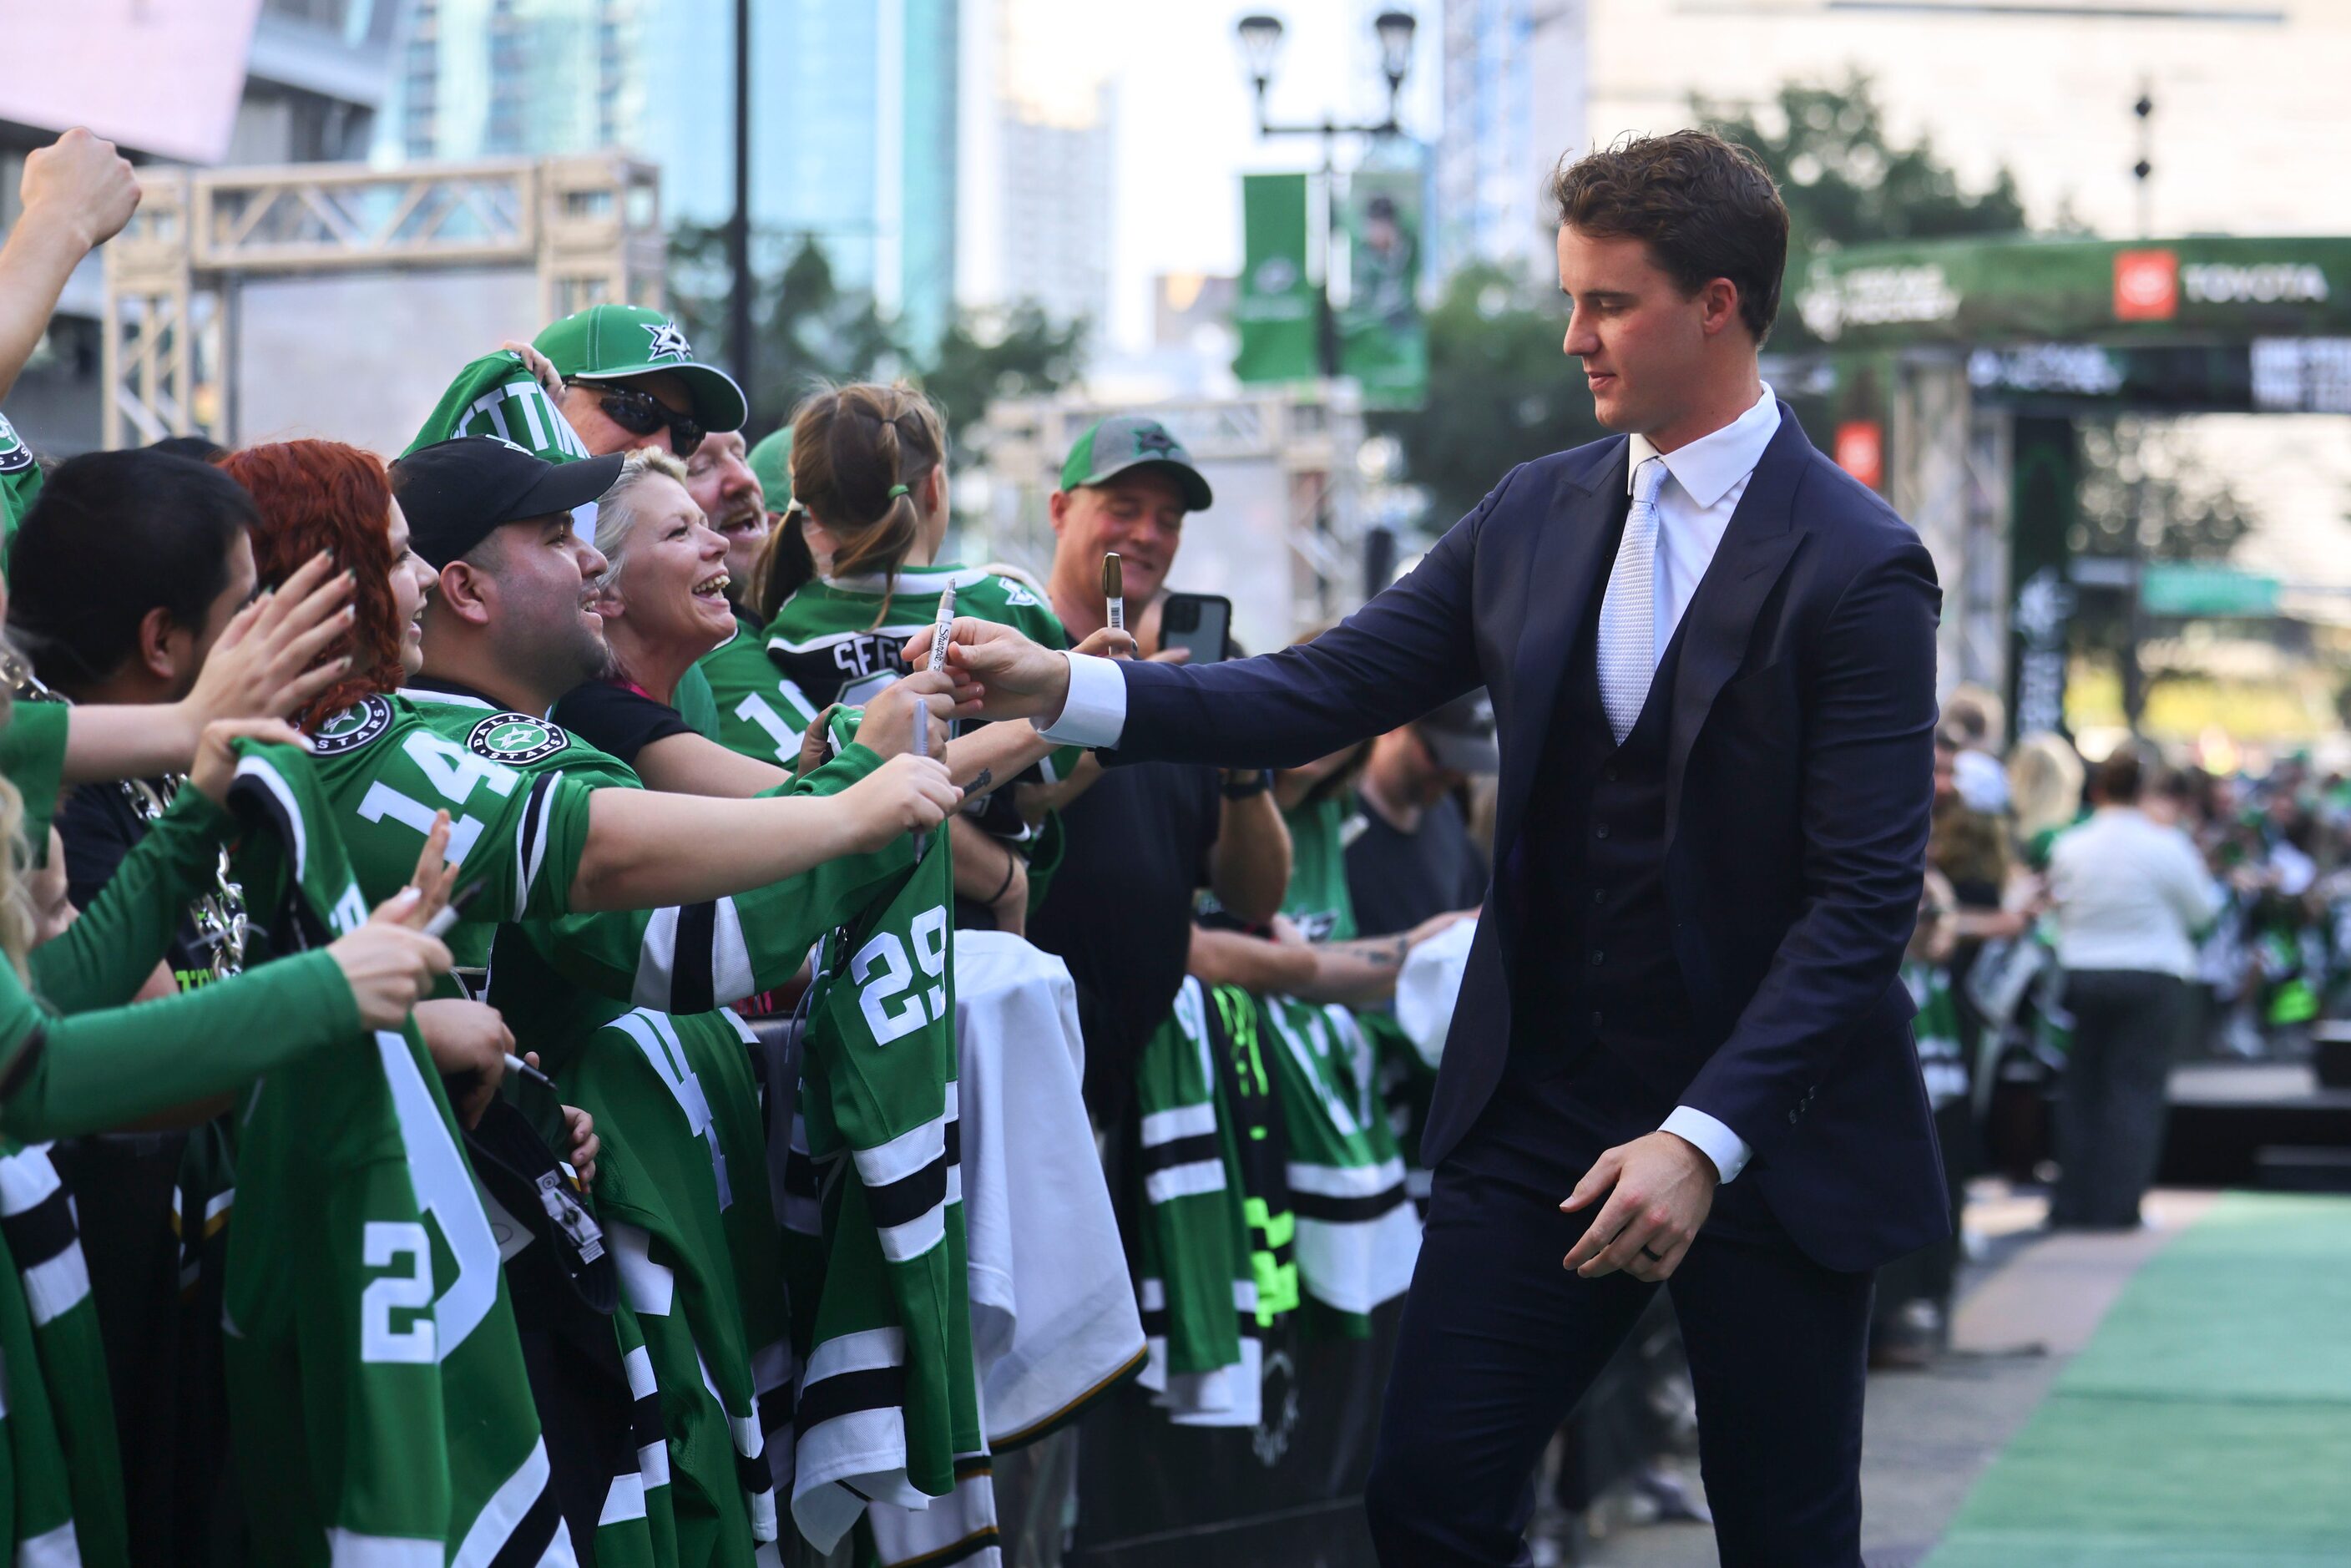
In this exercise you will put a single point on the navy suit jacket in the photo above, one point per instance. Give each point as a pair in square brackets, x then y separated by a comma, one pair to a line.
[1799, 783]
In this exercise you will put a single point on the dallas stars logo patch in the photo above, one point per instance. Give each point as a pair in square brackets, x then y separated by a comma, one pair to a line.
[352, 728]
[669, 343]
[1153, 438]
[516, 737]
[15, 456]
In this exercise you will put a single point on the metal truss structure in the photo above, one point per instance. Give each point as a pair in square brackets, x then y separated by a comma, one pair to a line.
[589, 226]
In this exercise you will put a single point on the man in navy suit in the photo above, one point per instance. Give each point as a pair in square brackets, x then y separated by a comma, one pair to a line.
[1712, 657]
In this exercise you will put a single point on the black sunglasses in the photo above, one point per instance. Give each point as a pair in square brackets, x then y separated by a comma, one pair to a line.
[640, 413]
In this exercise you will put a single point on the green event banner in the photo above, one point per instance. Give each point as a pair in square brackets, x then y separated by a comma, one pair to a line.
[1277, 310]
[2214, 290]
[1383, 339]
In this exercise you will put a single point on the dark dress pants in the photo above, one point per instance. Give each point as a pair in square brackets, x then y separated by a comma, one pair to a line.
[1499, 1343]
[2127, 1026]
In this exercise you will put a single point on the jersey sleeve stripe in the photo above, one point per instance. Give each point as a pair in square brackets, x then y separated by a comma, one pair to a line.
[530, 846]
[648, 1287]
[625, 1501]
[290, 815]
[1347, 1181]
[874, 1391]
[349, 1549]
[910, 1151]
[730, 955]
[1181, 1122]
[1185, 1180]
[519, 1524]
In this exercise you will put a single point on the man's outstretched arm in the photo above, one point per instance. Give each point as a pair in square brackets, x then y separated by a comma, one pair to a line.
[1409, 650]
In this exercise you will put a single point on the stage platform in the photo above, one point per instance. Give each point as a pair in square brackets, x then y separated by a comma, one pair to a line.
[2257, 1124]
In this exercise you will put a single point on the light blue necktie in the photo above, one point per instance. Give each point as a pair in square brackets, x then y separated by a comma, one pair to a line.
[1628, 615]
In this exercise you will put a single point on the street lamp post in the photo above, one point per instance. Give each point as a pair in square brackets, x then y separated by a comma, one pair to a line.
[1259, 35]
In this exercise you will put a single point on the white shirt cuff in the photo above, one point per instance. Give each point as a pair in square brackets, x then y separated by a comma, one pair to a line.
[1095, 713]
[1717, 1143]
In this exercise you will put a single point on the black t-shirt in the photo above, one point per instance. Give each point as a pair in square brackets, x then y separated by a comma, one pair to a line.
[99, 826]
[1398, 880]
[617, 720]
[1119, 912]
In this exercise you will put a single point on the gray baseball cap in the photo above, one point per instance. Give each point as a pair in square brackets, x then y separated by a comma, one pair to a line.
[1125, 441]
[1460, 735]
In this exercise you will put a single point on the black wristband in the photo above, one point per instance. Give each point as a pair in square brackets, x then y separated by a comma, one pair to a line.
[1245, 786]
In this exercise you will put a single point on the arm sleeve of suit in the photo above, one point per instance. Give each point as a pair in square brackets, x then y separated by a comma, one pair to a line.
[1868, 793]
[1409, 650]
[109, 951]
[88, 1071]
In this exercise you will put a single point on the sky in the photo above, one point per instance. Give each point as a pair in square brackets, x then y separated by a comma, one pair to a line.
[1185, 124]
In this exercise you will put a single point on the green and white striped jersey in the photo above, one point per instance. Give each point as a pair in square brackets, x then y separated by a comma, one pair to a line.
[517, 787]
[842, 638]
[378, 1397]
[682, 1190]
[20, 483]
[761, 712]
[1358, 1233]
[1936, 1029]
[63, 1417]
[888, 1395]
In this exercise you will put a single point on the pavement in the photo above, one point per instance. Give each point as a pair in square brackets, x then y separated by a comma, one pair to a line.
[2029, 1302]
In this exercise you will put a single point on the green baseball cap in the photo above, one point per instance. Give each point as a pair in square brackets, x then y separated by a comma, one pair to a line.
[1125, 441]
[771, 466]
[613, 342]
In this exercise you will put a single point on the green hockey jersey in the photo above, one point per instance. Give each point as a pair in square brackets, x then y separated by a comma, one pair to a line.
[888, 1396]
[1317, 899]
[20, 483]
[497, 395]
[761, 712]
[682, 1190]
[1936, 1029]
[1196, 1279]
[842, 638]
[44, 1267]
[378, 1397]
[518, 787]
[1358, 1233]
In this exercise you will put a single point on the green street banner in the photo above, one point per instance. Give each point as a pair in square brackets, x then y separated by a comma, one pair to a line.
[2212, 290]
[1383, 342]
[1276, 312]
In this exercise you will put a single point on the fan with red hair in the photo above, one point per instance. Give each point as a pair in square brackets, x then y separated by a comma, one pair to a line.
[318, 496]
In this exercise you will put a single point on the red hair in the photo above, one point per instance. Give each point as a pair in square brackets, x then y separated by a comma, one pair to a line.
[318, 496]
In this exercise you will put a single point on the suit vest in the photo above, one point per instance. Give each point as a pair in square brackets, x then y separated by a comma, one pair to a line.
[1600, 971]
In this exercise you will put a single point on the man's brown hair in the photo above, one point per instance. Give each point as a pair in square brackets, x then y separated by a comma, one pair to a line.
[1705, 207]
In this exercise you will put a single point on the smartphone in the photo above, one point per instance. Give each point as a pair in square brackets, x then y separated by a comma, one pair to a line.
[1201, 623]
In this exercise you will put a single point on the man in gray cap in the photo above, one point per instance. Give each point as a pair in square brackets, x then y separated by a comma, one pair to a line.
[1125, 486]
[1415, 857]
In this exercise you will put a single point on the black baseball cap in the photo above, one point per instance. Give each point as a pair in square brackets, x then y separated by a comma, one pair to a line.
[457, 493]
[1460, 735]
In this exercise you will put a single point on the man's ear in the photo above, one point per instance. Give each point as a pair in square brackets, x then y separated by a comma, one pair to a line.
[163, 647]
[467, 593]
[1719, 303]
[1057, 507]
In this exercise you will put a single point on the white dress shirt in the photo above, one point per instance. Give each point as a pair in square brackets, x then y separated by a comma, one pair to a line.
[1704, 482]
[2130, 893]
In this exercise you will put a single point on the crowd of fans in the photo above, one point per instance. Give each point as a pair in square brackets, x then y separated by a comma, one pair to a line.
[533, 1033]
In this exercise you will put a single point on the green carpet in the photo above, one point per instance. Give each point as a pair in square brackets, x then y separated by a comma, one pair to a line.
[2207, 1425]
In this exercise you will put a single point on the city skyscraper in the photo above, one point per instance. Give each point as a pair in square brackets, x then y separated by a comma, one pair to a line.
[1515, 83]
[484, 79]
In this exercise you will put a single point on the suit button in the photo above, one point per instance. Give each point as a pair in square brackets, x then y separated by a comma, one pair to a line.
[1596, 956]
[1792, 1118]
[1608, 776]
[1598, 897]
[1601, 831]
[1595, 1020]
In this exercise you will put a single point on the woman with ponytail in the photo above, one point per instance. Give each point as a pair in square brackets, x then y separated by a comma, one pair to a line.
[853, 571]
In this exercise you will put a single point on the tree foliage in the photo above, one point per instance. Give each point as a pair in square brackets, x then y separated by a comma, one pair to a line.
[811, 331]
[1500, 391]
